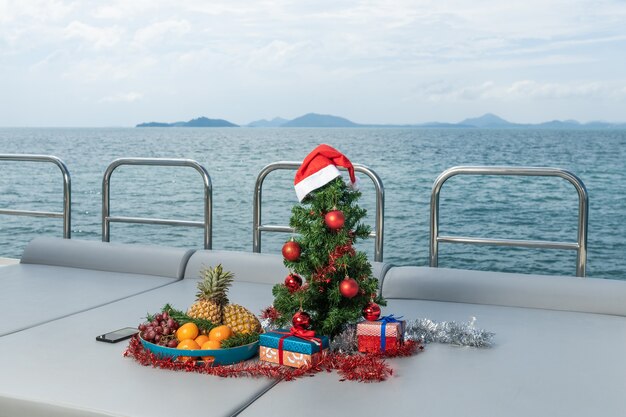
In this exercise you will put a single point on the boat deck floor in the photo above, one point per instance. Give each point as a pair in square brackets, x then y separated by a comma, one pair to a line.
[558, 345]
[8, 261]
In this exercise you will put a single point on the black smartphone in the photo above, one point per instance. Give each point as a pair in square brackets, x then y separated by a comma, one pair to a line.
[118, 335]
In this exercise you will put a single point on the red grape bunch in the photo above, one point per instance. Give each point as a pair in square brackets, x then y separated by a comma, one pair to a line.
[161, 330]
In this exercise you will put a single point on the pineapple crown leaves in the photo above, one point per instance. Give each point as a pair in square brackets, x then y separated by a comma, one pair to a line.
[214, 284]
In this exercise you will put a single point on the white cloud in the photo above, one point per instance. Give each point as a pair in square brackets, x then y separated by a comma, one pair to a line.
[127, 10]
[216, 8]
[535, 90]
[277, 54]
[122, 98]
[96, 37]
[156, 32]
[104, 70]
[445, 92]
[55, 57]
[5, 15]
[341, 52]
[569, 43]
[523, 90]
[34, 10]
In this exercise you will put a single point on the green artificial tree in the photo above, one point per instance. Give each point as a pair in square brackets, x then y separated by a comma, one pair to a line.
[339, 282]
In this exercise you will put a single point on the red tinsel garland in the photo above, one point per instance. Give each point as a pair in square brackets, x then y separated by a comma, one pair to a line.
[270, 313]
[321, 274]
[358, 367]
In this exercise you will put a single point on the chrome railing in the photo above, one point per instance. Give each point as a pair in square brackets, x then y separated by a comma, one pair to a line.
[164, 162]
[580, 246]
[66, 214]
[258, 228]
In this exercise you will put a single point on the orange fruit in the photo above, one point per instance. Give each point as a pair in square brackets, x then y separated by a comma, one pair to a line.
[220, 333]
[187, 344]
[187, 331]
[210, 345]
[200, 340]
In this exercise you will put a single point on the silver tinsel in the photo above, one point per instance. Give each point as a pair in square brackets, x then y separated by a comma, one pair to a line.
[425, 331]
[460, 334]
[345, 342]
[267, 325]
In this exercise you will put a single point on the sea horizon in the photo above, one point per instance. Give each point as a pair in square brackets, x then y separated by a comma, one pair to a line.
[408, 163]
[486, 121]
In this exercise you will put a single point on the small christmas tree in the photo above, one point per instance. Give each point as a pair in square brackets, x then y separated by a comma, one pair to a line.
[339, 282]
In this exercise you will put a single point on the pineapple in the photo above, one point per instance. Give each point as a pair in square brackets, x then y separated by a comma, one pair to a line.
[211, 296]
[240, 319]
[212, 303]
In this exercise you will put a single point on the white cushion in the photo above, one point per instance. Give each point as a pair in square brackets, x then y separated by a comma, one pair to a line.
[105, 256]
[590, 295]
[251, 267]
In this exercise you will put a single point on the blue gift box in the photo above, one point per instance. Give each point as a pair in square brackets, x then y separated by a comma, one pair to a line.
[292, 343]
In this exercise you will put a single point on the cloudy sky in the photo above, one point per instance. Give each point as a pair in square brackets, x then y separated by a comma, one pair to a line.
[121, 62]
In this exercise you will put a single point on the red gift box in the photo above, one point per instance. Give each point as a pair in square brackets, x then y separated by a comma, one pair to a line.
[370, 335]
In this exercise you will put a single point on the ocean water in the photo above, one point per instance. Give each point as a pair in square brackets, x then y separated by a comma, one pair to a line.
[407, 160]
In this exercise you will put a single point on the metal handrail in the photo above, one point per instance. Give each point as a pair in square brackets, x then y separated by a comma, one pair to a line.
[66, 214]
[583, 212]
[257, 227]
[165, 162]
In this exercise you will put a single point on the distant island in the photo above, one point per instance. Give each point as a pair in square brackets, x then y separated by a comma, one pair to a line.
[275, 122]
[491, 121]
[199, 122]
[320, 120]
[486, 121]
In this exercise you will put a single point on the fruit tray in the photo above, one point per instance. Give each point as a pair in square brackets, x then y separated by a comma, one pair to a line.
[222, 356]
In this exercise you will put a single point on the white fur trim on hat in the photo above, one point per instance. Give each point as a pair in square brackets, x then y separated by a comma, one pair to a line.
[316, 180]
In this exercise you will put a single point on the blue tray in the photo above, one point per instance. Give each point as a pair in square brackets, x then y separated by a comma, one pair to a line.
[222, 356]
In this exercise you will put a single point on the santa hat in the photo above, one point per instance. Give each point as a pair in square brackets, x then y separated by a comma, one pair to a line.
[319, 168]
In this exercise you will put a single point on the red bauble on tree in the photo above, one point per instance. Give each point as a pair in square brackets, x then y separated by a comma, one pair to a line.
[293, 282]
[335, 219]
[348, 287]
[291, 250]
[301, 320]
[371, 311]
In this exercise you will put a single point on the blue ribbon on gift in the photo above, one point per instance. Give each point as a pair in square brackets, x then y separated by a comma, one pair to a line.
[386, 319]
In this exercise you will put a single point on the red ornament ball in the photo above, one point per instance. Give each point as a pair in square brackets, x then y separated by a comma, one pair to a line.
[371, 311]
[291, 250]
[301, 320]
[349, 287]
[293, 282]
[335, 219]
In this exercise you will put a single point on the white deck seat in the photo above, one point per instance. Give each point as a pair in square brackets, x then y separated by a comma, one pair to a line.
[543, 363]
[261, 268]
[251, 267]
[105, 256]
[59, 277]
[591, 295]
[58, 369]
